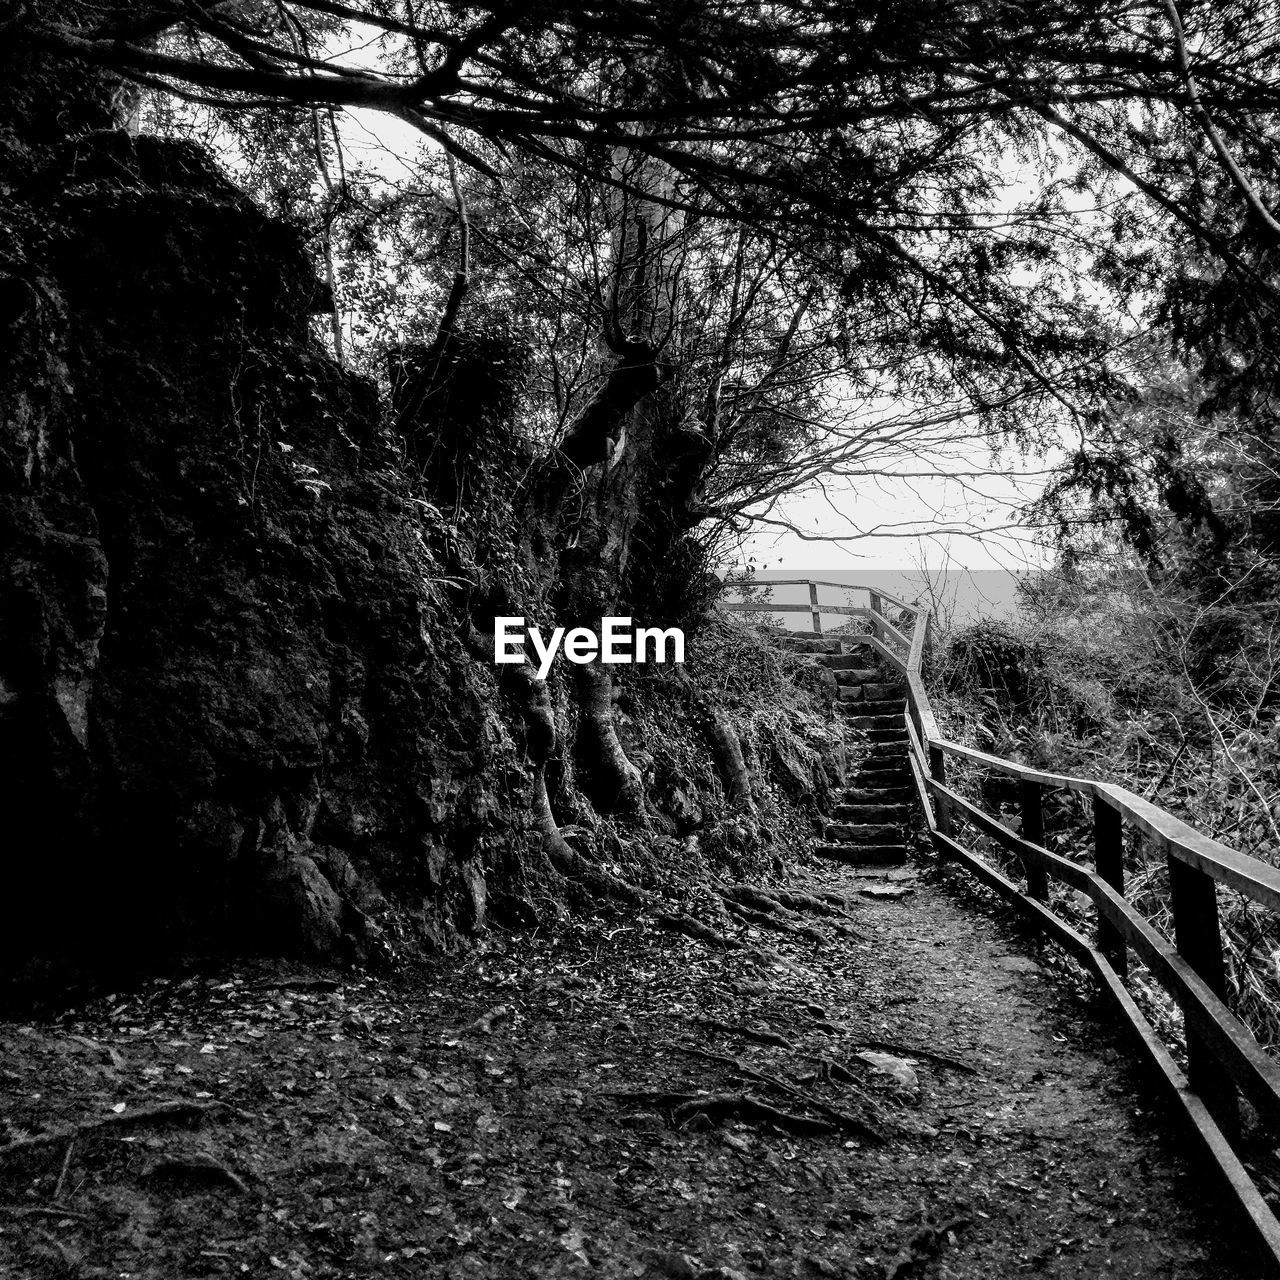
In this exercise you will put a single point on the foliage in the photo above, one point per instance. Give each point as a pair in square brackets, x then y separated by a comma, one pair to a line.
[1105, 675]
[886, 226]
[785, 729]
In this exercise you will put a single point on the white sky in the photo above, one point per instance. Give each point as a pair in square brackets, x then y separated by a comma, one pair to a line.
[876, 503]
[873, 503]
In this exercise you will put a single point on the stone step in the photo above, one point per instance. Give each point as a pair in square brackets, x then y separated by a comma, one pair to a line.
[881, 707]
[872, 811]
[874, 691]
[876, 740]
[873, 855]
[853, 698]
[883, 772]
[863, 833]
[888, 786]
[878, 752]
[799, 642]
[881, 789]
[856, 677]
[894, 724]
[856, 662]
[897, 798]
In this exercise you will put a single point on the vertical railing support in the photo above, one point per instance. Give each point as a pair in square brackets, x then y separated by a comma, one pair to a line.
[1199, 940]
[1108, 861]
[813, 605]
[938, 772]
[1031, 803]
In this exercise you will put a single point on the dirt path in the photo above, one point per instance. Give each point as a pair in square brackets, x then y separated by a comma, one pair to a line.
[370, 1130]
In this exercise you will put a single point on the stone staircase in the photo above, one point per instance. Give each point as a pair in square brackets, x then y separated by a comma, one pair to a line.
[869, 828]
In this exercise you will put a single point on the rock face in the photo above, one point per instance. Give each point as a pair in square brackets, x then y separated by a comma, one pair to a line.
[240, 702]
[221, 678]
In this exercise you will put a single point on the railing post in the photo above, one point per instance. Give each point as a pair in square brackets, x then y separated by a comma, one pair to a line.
[813, 605]
[1199, 941]
[941, 806]
[1108, 861]
[1031, 803]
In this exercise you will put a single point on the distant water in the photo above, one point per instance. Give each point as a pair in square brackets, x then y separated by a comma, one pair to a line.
[956, 596]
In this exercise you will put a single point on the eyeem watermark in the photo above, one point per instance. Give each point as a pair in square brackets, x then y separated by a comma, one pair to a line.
[617, 643]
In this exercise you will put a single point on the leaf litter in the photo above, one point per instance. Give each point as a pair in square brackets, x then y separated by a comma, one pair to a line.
[614, 1100]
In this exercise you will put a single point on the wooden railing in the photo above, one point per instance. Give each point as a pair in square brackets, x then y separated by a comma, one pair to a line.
[874, 610]
[1224, 1060]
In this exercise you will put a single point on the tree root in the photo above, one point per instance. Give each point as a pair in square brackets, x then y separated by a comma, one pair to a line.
[161, 1111]
[832, 1070]
[201, 1169]
[732, 763]
[762, 1035]
[685, 1107]
[44, 1211]
[617, 779]
[749, 896]
[779, 923]
[911, 1051]
[841, 1119]
[563, 859]
[788, 905]
[744, 1106]
[66, 1169]
[606, 885]
[677, 922]
[808, 902]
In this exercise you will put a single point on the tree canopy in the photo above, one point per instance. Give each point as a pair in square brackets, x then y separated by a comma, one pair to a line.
[970, 209]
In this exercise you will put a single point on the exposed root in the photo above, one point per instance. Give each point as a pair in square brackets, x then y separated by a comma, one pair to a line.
[808, 902]
[657, 1099]
[677, 922]
[842, 1119]
[788, 905]
[928, 1055]
[65, 1170]
[731, 762]
[830, 1070]
[200, 1169]
[616, 779]
[606, 885]
[686, 1107]
[43, 1211]
[761, 1035]
[160, 1112]
[831, 1028]
[777, 922]
[743, 1106]
[750, 896]
[540, 744]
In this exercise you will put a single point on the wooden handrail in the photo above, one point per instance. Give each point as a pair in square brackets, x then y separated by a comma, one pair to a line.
[812, 583]
[852, 611]
[1249, 876]
[1223, 1056]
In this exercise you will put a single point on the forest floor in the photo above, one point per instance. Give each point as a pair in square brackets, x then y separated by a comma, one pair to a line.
[613, 1101]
